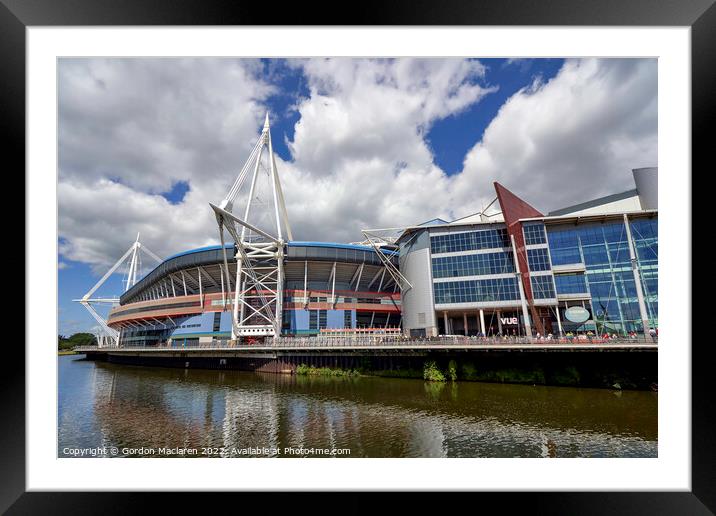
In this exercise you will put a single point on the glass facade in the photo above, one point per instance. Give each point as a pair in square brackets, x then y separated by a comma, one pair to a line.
[564, 246]
[473, 265]
[538, 259]
[570, 284]
[542, 287]
[472, 241]
[644, 232]
[534, 233]
[603, 248]
[476, 291]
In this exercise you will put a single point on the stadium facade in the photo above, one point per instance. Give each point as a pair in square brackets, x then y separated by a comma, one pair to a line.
[508, 269]
[328, 286]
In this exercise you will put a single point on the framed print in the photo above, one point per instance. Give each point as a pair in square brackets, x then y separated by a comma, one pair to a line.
[421, 243]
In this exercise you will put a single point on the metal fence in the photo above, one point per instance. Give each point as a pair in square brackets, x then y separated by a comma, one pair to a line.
[397, 342]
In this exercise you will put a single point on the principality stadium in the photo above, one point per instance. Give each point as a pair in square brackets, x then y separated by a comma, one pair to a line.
[506, 270]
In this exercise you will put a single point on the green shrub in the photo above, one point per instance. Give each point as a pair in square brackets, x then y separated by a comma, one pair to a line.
[568, 376]
[432, 373]
[452, 370]
[303, 369]
[469, 372]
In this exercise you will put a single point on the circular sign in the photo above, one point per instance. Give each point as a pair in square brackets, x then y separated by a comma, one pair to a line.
[576, 314]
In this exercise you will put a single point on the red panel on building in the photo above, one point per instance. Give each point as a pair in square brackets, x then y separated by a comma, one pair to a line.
[514, 209]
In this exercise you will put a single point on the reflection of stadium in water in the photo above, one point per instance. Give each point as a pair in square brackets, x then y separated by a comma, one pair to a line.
[373, 417]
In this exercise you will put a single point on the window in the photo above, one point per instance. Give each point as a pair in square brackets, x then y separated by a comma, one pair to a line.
[313, 319]
[476, 291]
[471, 241]
[347, 319]
[534, 234]
[322, 319]
[542, 287]
[473, 265]
[595, 254]
[538, 259]
[570, 284]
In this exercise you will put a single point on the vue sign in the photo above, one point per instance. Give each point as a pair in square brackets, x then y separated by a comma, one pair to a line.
[508, 320]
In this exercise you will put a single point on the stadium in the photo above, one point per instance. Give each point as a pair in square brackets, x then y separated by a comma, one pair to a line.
[327, 286]
[508, 269]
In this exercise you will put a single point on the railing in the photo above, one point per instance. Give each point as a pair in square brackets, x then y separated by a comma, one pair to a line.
[399, 342]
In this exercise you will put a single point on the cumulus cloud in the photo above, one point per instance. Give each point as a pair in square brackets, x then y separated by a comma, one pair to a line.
[571, 139]
[130, 129]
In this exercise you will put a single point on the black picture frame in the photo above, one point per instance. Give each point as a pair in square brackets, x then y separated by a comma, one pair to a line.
[700, 15]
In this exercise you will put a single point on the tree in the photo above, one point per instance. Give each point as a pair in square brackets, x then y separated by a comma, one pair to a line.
[77, 339]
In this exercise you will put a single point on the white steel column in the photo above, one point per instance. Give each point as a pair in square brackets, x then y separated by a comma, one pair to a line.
[333, 285]
[482, 321]
[223, 296]
[499, 321]
[637, 278]
[464, 321]
[445, 320]
[525, 314]
[305, 285]
[559, 321]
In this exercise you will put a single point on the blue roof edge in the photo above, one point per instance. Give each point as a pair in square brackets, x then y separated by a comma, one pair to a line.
[292, 243]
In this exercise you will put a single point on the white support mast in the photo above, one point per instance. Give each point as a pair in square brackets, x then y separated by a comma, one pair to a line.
[132, 257]
[377, 238]
[258, 287]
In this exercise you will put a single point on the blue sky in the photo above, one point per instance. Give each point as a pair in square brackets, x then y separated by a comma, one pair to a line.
[145, 144]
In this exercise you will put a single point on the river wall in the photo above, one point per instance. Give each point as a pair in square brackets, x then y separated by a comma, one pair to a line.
[601, 369]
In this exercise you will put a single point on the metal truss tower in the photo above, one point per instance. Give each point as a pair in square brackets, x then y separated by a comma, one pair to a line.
[107, 336]
[258, 293]
[377, 238]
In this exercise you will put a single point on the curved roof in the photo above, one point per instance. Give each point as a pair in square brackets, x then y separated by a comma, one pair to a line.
[296, 250]
[334, 245]
[199, 249]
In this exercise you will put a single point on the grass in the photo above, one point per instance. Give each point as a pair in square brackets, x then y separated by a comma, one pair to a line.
[303, 369]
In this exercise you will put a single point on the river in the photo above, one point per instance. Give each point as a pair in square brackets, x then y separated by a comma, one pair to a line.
[123, 411]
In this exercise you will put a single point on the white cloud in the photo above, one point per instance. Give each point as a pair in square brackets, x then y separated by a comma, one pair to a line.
[572, 139]
[131, 128]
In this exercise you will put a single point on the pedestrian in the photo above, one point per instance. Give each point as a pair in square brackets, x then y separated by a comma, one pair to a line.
[653, 334]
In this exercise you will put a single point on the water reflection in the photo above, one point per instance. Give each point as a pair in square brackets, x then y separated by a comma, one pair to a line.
[124, 406]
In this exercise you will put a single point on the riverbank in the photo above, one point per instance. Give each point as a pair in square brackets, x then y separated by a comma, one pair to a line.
[622, 370]
[66, 352]
[557, 371]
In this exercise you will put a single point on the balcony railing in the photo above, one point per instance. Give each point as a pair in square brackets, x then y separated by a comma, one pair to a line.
[396, 342]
